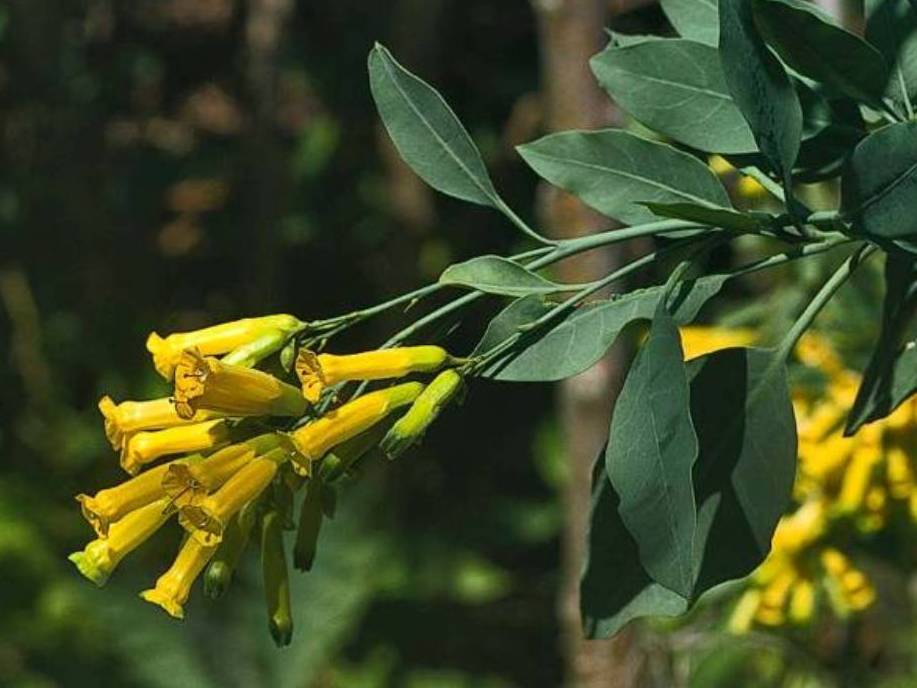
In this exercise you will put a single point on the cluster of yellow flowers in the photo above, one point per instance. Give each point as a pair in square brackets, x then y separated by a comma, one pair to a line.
[845, 486]
[236, 432]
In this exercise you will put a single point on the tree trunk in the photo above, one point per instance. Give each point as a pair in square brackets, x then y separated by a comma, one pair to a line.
[570, 33]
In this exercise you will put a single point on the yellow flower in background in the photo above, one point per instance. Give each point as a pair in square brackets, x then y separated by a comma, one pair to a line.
[697, 340]
[147, 446]
[207, 519]
[313, 440]
[126, 418]
[206, 383]
[100, 557]
[219, 339]
[318, 371]
[745, 187]
[720, 165]
[173, 587]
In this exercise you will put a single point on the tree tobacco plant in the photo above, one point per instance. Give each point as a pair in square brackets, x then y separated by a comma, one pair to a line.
[701, 455]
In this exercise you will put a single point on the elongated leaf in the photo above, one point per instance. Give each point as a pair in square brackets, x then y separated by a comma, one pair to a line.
[812, 44]
[615, 588]
[714, 217]
[426, 132]
[760, 87]
[615, 171]
[694, 19]
[676, 87]
[579, 340]
[651, 451]
[496, 275]
[891, 26]
[891, 375]
[746, 464]
[879, 183]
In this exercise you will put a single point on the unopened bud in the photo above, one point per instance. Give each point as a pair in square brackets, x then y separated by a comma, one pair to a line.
[310, 523]
[276, 580]
[220, 571]
[411, 427]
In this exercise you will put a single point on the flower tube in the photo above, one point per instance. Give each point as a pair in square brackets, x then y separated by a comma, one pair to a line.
[145, 447]
[173, 587]
[126, 418]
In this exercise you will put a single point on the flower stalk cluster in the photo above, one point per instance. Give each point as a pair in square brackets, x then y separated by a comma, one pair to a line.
[241, 443]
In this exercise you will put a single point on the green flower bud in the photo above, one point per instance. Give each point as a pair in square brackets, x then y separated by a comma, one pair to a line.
[343, 457]
[310, 523]
[411, 427]
[276, 579]
[220, 571]
[255, 351]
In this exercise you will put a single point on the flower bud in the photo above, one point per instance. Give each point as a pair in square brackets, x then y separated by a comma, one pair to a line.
[318, 371]
[310, 523]
[276, 579]
[220, 571]
[410, 428]
[345, 456]
[206, 383]
[219, 339]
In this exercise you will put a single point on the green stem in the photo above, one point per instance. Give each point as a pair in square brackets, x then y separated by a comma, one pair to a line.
[827, 291]
[521, 224]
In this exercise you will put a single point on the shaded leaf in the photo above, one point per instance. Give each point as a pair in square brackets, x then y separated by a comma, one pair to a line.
[615, 171]
[891, 26]
[676, 87]
[427, 133]
[726, 218]
[496, 275]
[579, 340]
[890, 377]
[760, 87]
[650, 453]
[746, 464]
[879, 183]
[812, 44]
[615, 588]
[694, 19]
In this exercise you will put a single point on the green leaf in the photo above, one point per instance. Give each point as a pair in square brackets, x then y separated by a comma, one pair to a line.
[822, 156]
[879, 183]
[676, 87]
[746, 463]
[427, 133]
[496, 275]
[812, 44]
[726, 218]
[579, 340]
[651, 451]
[891, 26]
[615, 588]
[694, 19]
[615, 171]
[890, 377]
[760, 87]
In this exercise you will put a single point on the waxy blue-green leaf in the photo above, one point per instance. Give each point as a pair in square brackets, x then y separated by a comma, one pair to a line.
[615, 172]
[676, 87]
[890, 377]
[651, 451]
[615, 588]
[577, 341]
[810, 42]
[694, 19]
[760, 87]
[727, 218]
[496, 275]
[891, 26]
[743, 477]
[427, 133]
[879, 184]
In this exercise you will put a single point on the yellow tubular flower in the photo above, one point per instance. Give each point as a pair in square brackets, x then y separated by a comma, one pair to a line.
[126, 418]
[800, 529]
[750, 189]
[173, 587]
[802, 601]
[107, 506]
[899, 472]
[318, 371]
[720, 165]
[145, 447]
[815, 351]
[207, 520]
[857, 478]
[773, 598]
[100, 557]
[219, 339]
[206, 383]
[697, 340]
[188, 483]
[743, 615]
[339, 425]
